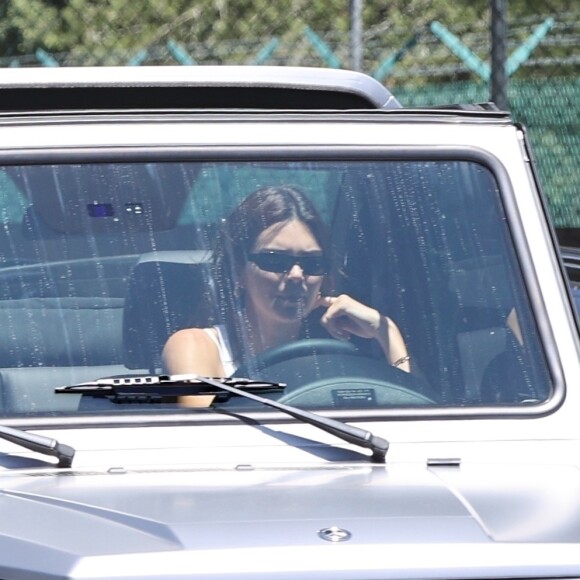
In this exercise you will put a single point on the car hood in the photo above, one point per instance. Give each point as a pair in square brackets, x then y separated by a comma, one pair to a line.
[347, 520]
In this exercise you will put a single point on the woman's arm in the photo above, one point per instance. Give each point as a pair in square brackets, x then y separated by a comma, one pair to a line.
[192, 351]
[393, 344]
[345, 316]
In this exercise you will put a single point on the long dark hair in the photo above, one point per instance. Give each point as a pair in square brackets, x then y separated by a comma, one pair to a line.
[236, 240]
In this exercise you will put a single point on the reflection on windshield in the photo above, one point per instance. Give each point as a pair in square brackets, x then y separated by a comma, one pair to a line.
[359, 284]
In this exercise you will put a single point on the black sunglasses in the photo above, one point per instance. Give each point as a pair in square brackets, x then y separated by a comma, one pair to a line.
[282, 262]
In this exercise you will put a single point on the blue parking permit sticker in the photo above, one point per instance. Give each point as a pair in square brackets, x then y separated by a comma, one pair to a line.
[101, 210]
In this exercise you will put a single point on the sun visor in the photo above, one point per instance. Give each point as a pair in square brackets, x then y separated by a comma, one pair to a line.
[106, 198]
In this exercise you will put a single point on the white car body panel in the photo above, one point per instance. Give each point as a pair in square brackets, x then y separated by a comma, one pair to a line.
[485, 493]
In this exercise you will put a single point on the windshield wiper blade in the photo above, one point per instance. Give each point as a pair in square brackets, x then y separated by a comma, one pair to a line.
[157, 388]
[152, 389]
[40, 444]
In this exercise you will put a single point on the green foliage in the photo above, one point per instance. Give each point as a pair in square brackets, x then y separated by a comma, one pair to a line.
[96, 30]
[117, 32]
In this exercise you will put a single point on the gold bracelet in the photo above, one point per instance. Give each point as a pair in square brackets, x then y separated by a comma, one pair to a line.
[401, 361]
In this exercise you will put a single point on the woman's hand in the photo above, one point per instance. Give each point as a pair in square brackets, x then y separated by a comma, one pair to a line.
[345, 316]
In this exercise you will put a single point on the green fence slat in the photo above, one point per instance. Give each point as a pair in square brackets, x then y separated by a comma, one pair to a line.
[45, 58]
[267, 51]
[322, 48]
[523, 52]
[139, 58]
[454, 44]
[180, 54]
[387, 65]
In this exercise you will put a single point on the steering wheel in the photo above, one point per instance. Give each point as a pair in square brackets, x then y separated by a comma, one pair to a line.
[331, 373]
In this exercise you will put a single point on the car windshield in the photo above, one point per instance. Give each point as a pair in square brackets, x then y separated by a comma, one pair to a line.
[391, 284]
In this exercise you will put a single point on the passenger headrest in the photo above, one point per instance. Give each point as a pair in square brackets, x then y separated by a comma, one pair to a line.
[165, 294]
[60, 332]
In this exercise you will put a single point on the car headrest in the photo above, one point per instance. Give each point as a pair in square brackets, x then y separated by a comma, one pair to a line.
[65, 331]
[166, 292]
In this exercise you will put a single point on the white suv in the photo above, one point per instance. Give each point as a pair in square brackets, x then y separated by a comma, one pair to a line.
[323, 455]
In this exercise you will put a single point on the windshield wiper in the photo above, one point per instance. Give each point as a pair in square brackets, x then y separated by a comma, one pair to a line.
[162, 388]
[155, 389]
[40, 444]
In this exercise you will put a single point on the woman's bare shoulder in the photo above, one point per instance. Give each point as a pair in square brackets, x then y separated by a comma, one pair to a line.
[191, 336]
[192, 350]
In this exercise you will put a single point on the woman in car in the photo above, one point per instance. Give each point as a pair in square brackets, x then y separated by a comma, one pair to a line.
[272, 271]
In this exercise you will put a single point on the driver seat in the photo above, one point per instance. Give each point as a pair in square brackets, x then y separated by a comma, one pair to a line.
[165, 293]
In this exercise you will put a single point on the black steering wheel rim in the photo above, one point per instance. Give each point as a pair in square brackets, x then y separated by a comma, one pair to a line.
[297, 348]
[325, 372]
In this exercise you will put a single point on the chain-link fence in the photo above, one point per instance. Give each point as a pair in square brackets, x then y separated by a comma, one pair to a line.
[524, 54]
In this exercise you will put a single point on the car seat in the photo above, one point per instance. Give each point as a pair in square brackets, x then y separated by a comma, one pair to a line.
[166, 292]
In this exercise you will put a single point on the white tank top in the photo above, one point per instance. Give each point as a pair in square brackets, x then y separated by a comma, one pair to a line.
[219, 336]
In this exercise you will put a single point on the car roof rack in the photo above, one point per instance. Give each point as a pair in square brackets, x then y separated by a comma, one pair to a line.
[191, 87]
